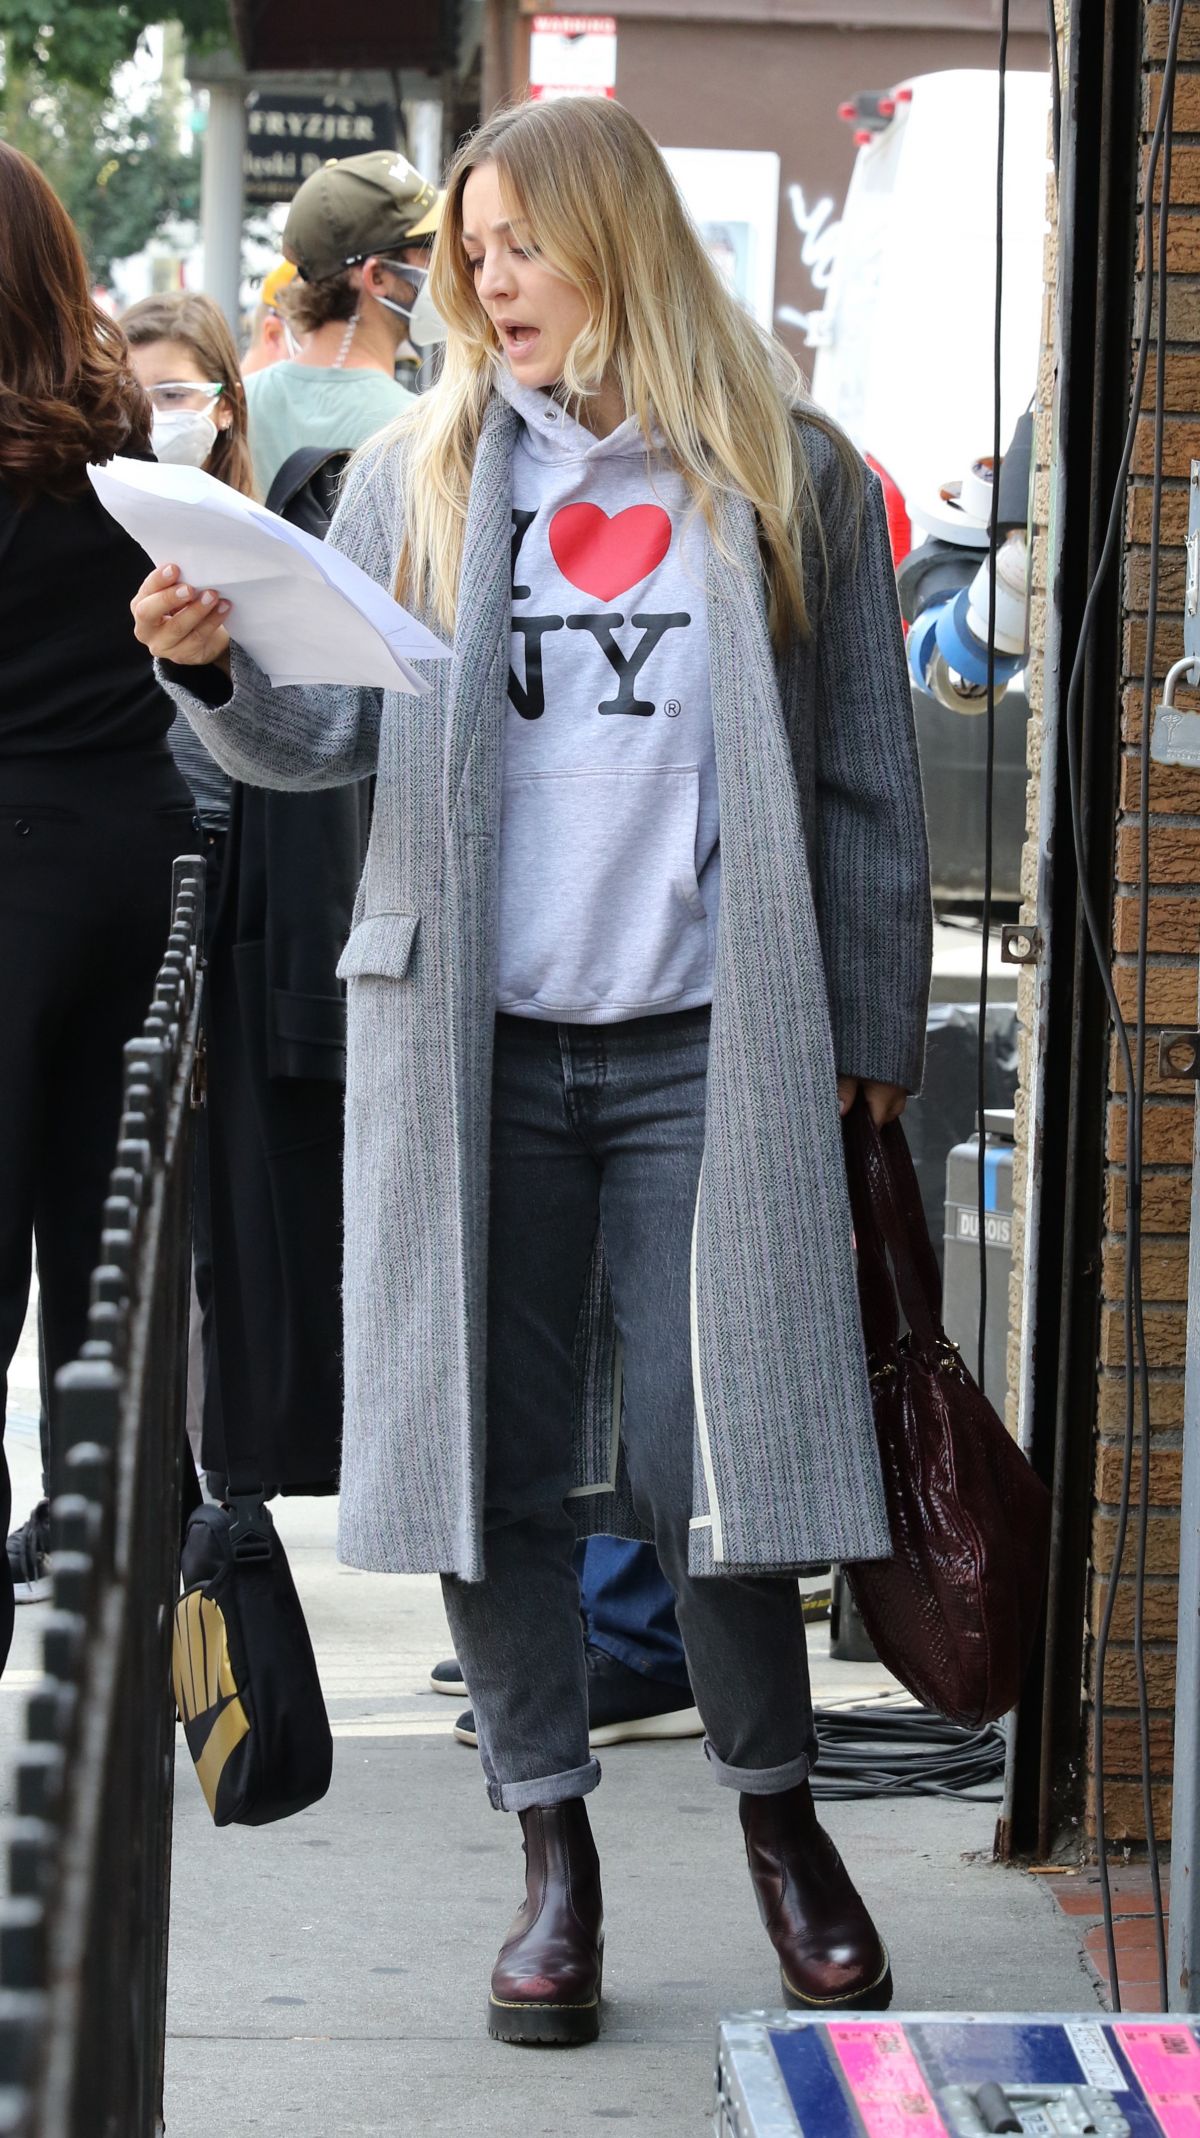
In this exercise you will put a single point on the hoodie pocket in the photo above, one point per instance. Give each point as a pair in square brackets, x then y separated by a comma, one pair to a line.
[600, 906]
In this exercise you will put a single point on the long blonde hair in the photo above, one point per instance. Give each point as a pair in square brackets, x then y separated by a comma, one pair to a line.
[593, 190]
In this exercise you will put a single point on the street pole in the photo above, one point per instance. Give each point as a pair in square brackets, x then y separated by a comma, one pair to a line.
[221, 196]
[423, 120]
[496, 83]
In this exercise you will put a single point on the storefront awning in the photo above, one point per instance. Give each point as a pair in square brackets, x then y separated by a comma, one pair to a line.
[298, 35]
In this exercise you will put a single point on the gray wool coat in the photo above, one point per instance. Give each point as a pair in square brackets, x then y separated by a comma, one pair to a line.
[822, 966]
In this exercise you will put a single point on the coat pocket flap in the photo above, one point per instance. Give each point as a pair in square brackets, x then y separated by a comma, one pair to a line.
[380, 946]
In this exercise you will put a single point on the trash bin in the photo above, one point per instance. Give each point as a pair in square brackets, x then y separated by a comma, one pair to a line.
[849, 1641]
[945, 1110]
[960, 1311]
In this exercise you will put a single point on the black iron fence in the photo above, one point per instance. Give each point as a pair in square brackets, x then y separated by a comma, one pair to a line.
[83, 1929]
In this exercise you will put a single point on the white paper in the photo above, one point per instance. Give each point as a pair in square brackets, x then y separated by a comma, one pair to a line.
[304, 612]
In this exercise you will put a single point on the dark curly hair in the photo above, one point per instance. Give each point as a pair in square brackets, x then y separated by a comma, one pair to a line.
[309, 305]
[67, 392]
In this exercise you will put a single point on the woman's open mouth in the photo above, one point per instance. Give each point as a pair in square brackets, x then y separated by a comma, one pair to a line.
[518, 340]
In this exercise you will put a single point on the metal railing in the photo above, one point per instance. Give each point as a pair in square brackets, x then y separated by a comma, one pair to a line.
[83, 1929]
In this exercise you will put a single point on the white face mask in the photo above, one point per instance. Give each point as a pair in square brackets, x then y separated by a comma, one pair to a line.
[183, 436]
[416, 277]
[426, 326]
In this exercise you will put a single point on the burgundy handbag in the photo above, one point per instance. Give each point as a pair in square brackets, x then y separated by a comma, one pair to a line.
[954, 1613]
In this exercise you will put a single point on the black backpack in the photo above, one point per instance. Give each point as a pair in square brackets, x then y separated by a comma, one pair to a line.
[305, 490]
[244, 1673]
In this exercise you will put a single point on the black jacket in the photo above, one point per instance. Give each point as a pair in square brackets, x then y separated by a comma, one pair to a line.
[277, 1055]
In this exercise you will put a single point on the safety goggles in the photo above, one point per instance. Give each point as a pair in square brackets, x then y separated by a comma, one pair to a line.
[184, 393]
[417, 277]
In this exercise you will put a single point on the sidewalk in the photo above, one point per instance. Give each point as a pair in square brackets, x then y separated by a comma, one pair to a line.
[1134, 1932]
[329, 1974]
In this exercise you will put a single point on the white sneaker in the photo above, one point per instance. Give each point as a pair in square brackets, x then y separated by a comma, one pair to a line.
[448, 1678]
[29, 1557]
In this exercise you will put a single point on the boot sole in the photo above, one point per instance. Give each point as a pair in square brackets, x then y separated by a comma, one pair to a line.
[561, 2026]
[648, 1729]
[875, 1998]
[651, 1729]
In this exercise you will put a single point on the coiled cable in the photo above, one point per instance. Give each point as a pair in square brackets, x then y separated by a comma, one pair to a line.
[883, 1751]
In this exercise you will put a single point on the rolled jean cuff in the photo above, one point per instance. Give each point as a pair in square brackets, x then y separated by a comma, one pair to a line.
[762, 1781]
[551, 1789]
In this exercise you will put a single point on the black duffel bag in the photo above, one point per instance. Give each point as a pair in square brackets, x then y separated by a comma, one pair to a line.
[244, 1672]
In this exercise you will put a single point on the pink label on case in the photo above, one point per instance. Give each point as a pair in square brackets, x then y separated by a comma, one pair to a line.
[888, 2085]
[1166, 2060]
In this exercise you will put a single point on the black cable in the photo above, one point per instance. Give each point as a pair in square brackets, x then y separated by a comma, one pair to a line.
[989, 775]
[881, 1751]
[1134, 1301]
[1101, 948]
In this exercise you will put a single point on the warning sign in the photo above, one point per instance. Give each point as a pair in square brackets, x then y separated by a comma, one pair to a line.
[573, 56]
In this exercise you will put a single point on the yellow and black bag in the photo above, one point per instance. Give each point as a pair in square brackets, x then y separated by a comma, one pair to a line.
[244, 1672]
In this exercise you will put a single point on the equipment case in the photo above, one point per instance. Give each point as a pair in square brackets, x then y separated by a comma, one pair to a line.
[957, 2075]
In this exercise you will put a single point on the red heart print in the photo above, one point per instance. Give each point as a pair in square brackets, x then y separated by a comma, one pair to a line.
[604, 556]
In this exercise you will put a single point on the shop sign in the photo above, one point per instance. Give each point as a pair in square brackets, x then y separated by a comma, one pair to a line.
[290, 137]
[573, 56]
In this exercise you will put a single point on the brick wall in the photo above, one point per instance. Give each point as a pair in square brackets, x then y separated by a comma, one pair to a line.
[1174, 939]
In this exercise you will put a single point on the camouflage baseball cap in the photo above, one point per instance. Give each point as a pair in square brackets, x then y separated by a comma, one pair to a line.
[362, 204]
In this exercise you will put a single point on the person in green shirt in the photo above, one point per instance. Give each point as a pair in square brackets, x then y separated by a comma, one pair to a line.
[359, 232]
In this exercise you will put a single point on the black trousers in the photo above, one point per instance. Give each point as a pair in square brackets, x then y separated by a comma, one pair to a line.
[86, 847]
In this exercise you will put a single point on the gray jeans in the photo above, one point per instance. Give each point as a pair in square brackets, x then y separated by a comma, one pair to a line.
[604, 1125]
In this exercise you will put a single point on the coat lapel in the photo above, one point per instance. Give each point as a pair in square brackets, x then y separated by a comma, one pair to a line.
[472, 772]
[484, 599]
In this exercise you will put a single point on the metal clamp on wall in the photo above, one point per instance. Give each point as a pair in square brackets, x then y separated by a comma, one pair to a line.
[1179, 1053]
[1175, 735]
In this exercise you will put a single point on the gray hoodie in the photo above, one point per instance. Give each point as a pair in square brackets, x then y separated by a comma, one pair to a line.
[609, 856]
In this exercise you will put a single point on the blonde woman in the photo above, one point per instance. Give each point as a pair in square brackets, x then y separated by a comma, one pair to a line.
[646, 902]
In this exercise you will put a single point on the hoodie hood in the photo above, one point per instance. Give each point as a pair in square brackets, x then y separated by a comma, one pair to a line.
[553, 434]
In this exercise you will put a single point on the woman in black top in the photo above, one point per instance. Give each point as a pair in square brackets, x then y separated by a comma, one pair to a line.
[92, 808]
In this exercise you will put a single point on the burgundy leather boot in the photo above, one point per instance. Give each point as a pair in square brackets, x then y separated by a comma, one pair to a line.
[831, 1957]
[546, 1982]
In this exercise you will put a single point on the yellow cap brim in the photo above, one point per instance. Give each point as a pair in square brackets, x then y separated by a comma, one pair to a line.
[277, 280]
[428, 226]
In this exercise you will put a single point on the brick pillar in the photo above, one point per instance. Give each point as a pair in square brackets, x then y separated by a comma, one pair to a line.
[1174, 943]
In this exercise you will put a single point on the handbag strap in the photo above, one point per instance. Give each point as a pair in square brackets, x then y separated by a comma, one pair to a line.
[876, 1290]
[888, 1184]
[910, 1209]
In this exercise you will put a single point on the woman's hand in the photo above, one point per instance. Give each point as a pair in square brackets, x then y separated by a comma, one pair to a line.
[179, 622]
[885, 1102]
